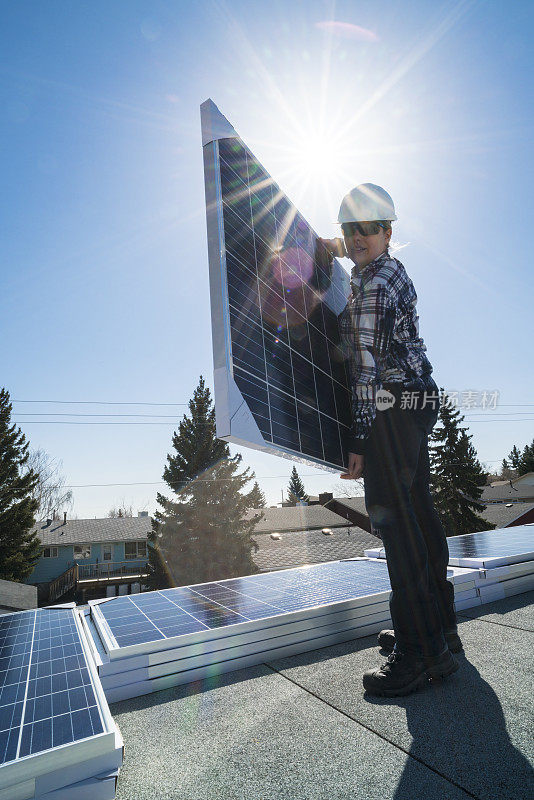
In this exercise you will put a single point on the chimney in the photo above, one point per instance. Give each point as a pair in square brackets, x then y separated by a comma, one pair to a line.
[64, 518]
[325, 498]
[48, 522]
[142, 513]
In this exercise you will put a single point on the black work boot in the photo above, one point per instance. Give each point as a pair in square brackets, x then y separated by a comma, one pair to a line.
[386, 639]
[404, 673]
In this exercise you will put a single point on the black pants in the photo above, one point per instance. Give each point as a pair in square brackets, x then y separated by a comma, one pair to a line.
[400, 507]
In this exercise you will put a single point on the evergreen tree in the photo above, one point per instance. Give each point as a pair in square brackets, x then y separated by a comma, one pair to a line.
[296, 491]
[202, 533]
[526, 460]
[20, 549]
[515, 457]
[507, 473]
[457, 477]
[257, 497]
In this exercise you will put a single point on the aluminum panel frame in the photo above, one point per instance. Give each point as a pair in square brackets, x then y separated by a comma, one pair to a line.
[212, 648]
[35, 766]
[146, 687]
[261, 647]
[235, 422]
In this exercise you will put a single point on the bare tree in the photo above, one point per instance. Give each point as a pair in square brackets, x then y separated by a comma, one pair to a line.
[348, 489]
[50, 491]
[123, 510]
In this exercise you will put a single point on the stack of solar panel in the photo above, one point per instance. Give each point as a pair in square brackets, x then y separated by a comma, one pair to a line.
[160, 639]
[58, 740]
[502, 560]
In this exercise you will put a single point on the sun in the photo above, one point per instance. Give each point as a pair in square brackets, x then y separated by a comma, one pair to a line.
[316, 159]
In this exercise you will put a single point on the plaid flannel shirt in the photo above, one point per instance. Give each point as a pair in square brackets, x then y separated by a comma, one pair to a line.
[380, 337]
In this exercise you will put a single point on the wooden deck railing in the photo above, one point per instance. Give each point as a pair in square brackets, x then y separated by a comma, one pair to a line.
[107, 570]
[111, 569]
[63, 583]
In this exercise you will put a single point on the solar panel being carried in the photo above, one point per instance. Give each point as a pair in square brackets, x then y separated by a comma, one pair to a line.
[280, 378]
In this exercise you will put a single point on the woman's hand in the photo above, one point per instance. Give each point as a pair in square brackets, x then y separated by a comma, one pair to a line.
[355, 467]
[336, 247]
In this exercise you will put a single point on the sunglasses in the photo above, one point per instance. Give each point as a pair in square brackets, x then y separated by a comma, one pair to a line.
[363, 228]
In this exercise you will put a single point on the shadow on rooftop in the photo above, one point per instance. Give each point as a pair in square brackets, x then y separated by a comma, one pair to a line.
[459, 730]
[503, 606]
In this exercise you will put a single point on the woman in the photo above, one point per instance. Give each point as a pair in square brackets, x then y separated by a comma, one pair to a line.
[395, 405]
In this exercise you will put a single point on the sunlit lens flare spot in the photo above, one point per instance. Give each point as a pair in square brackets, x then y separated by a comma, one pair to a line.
[292, 267]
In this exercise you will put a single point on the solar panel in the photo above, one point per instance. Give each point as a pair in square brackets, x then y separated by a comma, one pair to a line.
[48, 697]
[280, 378]
[211, 607]
[492, 548]
[485, 549]
[203, 612]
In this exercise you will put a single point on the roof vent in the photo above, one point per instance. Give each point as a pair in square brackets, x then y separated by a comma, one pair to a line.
[327, 531]
[64, 518]
[275, 536]
[509, 505]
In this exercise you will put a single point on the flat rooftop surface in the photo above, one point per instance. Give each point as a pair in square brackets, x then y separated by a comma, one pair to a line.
[301, 728]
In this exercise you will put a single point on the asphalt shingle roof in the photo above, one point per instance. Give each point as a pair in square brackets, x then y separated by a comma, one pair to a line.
[296, 518]
[311, 547]
[78, 531]
[506, 492]
[357, 503]
[501, 516]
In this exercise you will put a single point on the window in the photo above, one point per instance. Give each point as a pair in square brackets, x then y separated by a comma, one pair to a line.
[82, 551]
[106, 552]
[49, 552]
[134, 550]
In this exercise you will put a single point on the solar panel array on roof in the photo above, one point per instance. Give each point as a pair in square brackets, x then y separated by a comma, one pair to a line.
[502, 560]
[485, 548]
[52, 709]
[492, 548]
[280, 378]
[177, 635]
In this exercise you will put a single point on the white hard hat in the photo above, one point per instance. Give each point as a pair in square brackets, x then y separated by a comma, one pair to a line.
[366, 203]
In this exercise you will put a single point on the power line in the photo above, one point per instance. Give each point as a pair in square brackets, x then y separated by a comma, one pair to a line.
[100, 402]
[71, 414]
[72, 422]
[221, 480]
[144, 403]
[173, 416]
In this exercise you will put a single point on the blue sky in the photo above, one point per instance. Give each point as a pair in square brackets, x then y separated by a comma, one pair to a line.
[104, 258]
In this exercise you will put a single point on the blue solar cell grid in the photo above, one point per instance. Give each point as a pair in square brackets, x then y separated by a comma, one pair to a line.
[174, 612]
[284, 299]
[492, 544]
[46, 694]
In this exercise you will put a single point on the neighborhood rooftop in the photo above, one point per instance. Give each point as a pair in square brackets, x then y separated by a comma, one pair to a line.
[311, 547]
[85, 531]
[297, 518]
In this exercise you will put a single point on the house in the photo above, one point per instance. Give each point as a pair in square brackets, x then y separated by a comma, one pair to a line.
[516, 490]
[296, 518]
[16, 596]
[84, 556]
[352, 509]
[509, 503]
[298, 548]
[293, 536]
